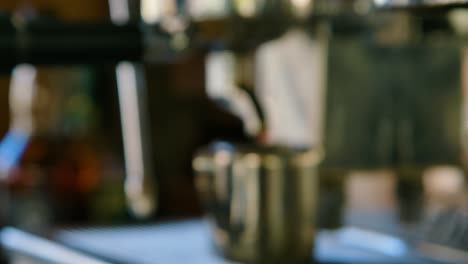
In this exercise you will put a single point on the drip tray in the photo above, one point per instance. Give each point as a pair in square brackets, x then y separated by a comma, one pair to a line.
[189, 242]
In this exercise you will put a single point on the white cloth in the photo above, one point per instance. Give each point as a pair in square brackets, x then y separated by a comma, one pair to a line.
[291, 74]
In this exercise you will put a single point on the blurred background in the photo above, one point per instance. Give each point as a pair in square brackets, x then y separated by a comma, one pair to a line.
[104, 109]
[80, 133]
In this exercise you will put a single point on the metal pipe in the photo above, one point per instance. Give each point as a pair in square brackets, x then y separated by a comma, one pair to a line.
[140, 188]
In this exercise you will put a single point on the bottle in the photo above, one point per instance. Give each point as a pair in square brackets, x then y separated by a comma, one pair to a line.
[22, 159]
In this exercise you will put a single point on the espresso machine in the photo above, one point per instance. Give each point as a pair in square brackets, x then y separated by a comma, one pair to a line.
[354, 113]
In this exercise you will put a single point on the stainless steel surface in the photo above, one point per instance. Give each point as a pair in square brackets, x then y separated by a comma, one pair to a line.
[188, 242]
[261, 201]
[140, 188]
